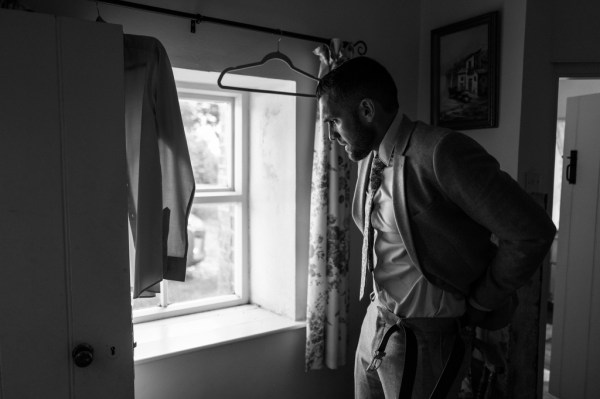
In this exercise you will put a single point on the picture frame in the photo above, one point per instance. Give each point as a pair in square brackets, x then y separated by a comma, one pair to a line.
[464, 73]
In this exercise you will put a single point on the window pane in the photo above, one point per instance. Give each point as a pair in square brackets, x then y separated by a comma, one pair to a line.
[212, 235]
[208, 129]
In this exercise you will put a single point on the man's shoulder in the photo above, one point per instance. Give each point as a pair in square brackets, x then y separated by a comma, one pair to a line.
[424, 137]
[426, 130]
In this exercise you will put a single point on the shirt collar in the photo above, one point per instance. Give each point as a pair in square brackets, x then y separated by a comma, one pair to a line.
[386, 148]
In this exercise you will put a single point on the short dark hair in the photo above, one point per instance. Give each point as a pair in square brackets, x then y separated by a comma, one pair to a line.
[358, 78]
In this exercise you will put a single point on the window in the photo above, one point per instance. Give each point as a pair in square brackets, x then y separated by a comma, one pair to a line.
[243, 224]
[217, 261]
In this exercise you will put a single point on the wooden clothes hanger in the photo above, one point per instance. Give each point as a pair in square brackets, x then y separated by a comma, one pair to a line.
[275, 55]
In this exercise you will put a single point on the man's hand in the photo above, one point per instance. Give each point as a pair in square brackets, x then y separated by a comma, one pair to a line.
[473, 317]
[495, 319]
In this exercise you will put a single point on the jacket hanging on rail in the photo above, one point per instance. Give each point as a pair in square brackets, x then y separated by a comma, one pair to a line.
[161, 183]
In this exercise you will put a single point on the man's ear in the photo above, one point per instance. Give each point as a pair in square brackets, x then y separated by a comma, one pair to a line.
[366, 110]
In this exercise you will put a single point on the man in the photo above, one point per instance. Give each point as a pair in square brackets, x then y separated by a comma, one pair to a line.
[453, 236]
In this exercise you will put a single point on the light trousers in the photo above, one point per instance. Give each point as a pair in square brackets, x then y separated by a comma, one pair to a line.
[435, 339]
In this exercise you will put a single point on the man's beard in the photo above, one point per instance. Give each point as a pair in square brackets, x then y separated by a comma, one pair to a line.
[363, 148]
[358, 155]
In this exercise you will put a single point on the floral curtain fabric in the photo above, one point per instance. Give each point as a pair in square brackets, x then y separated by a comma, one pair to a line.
[326, 331]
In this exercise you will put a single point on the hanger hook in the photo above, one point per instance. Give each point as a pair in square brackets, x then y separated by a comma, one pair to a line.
[99, 17]
[279, 39]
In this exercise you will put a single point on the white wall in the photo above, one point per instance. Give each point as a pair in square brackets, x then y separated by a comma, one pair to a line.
[562, 39]
[272, 201]
[503, 141]
[271, 366]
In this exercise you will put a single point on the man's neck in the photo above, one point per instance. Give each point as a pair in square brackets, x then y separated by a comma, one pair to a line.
[383, 126]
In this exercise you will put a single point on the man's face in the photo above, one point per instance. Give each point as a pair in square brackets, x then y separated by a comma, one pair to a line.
[347, 129]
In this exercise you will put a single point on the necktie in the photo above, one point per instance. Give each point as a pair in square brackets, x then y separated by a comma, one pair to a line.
[367, 249]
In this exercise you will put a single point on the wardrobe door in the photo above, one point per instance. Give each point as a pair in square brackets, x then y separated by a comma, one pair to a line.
[95, 176]
[65, 330]
[34, 332]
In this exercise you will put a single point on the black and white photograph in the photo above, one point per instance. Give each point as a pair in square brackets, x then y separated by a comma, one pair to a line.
[223, 199]
[465, 74]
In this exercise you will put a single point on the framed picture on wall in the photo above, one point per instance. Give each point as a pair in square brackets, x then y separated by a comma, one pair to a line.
[464, 74]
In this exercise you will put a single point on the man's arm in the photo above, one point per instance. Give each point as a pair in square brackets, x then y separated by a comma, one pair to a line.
[472, 179]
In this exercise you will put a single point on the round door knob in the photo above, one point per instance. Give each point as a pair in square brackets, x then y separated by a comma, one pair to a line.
[83, 355]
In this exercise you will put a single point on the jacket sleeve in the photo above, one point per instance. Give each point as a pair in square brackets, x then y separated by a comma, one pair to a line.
[178, 184]
[472, 179]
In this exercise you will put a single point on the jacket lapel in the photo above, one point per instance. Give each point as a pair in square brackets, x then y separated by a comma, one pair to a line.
[360, 192]
[407, 128]
[398, 189]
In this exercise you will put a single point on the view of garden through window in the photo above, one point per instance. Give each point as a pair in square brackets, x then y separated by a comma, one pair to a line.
[212, 227]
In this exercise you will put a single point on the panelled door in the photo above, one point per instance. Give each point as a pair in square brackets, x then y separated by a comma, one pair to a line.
[575, 363]
[65, 313]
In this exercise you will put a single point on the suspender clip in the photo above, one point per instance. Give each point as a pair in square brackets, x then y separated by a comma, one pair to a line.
[376, 362]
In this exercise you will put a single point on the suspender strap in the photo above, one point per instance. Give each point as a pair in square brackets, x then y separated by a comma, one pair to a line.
[380, 352]
[410, 363]
[449, 372]
[451, 369]
[410, 357]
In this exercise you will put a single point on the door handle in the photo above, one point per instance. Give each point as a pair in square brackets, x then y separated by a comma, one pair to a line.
[572, 168]
[83, 355]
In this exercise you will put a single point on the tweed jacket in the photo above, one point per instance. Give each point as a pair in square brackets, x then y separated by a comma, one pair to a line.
[467, 225]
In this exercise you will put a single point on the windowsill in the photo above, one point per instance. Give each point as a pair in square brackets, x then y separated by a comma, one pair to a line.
[178, 335]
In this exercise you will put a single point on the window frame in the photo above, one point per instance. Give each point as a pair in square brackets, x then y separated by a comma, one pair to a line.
[193, 85]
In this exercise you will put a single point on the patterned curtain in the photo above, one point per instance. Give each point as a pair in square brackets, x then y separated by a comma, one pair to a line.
[326, 330]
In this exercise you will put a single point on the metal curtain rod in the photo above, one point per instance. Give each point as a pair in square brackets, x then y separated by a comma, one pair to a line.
[197, 18]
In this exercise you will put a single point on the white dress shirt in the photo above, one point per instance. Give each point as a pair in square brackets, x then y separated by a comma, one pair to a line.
[161, 182]
[400, 284]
